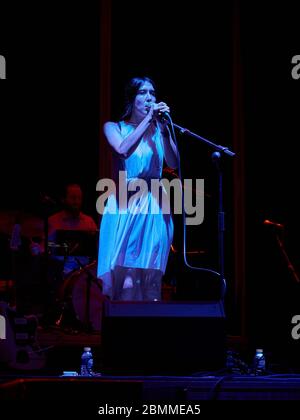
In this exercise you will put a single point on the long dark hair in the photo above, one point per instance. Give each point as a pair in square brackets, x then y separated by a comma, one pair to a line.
[131, 91]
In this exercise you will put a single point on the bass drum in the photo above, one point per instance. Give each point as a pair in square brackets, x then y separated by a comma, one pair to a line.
[74, 295]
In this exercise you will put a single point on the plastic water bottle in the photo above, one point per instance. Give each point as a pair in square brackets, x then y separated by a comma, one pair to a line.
[86, 368]
[259, 363]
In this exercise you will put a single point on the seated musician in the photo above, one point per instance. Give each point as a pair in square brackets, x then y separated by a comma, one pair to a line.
[70, 218]
[63, 260]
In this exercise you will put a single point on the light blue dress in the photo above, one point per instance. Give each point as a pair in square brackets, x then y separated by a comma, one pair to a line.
[140, 239]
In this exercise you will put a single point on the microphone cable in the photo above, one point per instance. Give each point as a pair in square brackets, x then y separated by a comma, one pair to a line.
[187, 264]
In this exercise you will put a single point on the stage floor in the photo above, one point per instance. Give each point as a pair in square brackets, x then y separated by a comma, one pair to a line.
[150, 388]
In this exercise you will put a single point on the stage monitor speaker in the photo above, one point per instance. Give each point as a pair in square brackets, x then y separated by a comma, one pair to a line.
[171, 338]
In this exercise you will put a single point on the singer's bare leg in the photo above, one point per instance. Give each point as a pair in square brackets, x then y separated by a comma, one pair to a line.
[137, 284]
[127, 284]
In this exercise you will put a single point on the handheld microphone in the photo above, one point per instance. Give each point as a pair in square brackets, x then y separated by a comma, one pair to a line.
[164, 116]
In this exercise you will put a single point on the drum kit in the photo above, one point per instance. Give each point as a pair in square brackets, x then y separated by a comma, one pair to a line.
[79, 296]
[82, 292]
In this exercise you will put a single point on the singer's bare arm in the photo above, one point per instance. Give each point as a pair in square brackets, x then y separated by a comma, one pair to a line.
[170, 149]
[125, 147]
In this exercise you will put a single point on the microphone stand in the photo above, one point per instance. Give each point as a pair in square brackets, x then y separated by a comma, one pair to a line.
[45, 261]
[216, 157]
[290, 266]
[46, 204]
[89, 280]
[218, 147]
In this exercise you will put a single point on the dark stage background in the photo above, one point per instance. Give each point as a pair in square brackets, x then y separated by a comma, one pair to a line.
[50, 125]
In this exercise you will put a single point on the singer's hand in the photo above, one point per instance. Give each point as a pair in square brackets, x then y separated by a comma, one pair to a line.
[155, 113]
[158, 111]
[159, 108]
